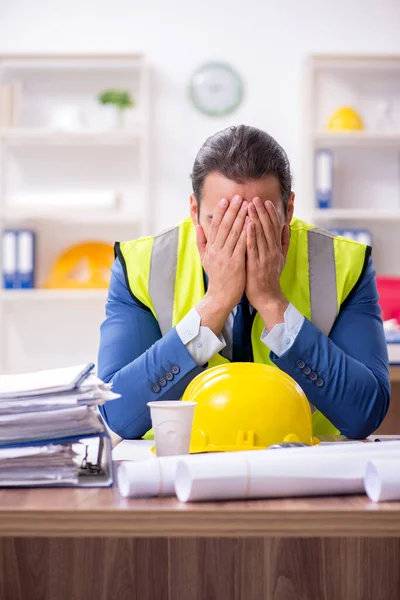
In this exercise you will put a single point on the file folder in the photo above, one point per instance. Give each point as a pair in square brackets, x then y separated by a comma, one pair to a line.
[94, 467]
[26, 259]
[323, 178]
[53, 381]
[9, 255]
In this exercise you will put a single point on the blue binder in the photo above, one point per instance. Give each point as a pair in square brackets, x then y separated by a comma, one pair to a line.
[97, 473]
[323, 178]
[364, 236]
[9, 259]
[26, 259]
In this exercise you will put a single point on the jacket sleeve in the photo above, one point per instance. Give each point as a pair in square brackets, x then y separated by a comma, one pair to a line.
[142, 365]
[345, 375]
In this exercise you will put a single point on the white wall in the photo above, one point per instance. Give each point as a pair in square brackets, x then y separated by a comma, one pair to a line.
[266, 41]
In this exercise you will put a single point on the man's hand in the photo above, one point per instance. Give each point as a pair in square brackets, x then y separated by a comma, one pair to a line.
[267, 247]
[224, 259]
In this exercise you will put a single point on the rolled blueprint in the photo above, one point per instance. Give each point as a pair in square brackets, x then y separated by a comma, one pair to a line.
[147, 478]
[156, 476]
[279, 473]
[382, 479]
[228, 472]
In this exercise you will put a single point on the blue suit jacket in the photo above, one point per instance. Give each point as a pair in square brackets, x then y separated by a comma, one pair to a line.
[352, 362]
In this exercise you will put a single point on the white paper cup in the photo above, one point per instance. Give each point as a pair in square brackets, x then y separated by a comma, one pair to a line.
[172, 423]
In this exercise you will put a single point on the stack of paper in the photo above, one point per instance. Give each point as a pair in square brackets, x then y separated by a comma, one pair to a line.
[52, 464]
[50, 430]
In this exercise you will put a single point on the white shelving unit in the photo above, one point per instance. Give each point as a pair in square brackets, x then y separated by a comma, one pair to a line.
[357, 139]
[44, 328]
[52, 295]
[45, 136]
[333, 214]
[65, 215]
[366, 178]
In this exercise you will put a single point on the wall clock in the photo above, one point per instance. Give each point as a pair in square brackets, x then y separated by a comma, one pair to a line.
[216, 89]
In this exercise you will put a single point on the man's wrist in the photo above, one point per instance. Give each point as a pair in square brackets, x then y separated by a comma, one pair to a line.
[213, 312]
[272, 311]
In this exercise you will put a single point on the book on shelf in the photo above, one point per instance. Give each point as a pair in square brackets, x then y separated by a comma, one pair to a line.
[19, 247]
[363, 236]
[10, 104]
[323, 178]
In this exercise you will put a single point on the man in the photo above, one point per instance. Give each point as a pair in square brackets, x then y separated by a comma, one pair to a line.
[243, 280]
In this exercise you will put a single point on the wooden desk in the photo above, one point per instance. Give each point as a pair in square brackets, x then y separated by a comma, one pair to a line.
[395, 374]
[95, 545]
[391, 424]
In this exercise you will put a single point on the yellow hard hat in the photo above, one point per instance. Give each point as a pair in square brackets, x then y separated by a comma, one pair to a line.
[247, 406]
[345, 118]
[83, 266]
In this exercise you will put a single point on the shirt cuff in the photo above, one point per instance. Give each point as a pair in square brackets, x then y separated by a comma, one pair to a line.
[201, 343]
[282, 336]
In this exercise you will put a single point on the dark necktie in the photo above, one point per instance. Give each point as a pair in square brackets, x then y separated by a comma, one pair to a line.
[241, 342]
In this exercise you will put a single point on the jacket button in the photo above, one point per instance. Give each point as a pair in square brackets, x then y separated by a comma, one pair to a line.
[169, 376]
[156, 388]
[175, 370]
[306, 370]
[319, 382]
[162, 381]
[300, 364]
[313, 376]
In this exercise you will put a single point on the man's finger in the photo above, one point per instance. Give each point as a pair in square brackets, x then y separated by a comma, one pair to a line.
[251, 241]
[262, 246]
[273, 213]
[217, 218]
[228, 221]
[266, 223]
[285, 240]
[241, 245]
[201, 240]
[236, 229]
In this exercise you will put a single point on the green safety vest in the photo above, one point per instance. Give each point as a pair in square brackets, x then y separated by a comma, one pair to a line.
[165, 273]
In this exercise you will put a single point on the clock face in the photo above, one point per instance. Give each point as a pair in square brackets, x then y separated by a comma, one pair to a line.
[216, 89]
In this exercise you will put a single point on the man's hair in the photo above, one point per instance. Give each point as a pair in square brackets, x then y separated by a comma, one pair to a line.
[242, 153]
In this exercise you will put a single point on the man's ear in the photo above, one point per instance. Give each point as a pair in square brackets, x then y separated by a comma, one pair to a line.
[290, 209]
[194, 210]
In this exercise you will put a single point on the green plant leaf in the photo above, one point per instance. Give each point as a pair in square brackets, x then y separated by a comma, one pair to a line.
[121, 99]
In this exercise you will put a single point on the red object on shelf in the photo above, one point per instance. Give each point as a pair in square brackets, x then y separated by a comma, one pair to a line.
[389, 297]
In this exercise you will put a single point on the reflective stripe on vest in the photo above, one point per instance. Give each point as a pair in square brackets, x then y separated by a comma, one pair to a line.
[164, 260]
[322, 276]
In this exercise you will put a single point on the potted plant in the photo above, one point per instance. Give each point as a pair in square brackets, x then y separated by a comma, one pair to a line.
[121, 99]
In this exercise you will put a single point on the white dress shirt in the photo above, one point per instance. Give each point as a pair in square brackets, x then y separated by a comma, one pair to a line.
[202, 343]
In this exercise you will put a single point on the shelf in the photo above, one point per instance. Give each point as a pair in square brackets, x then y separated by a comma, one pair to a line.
[52, 214]
[52, 295]
[74, 138]
[332, 214]
[355, 63]
[75, 62]
[356, 139]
